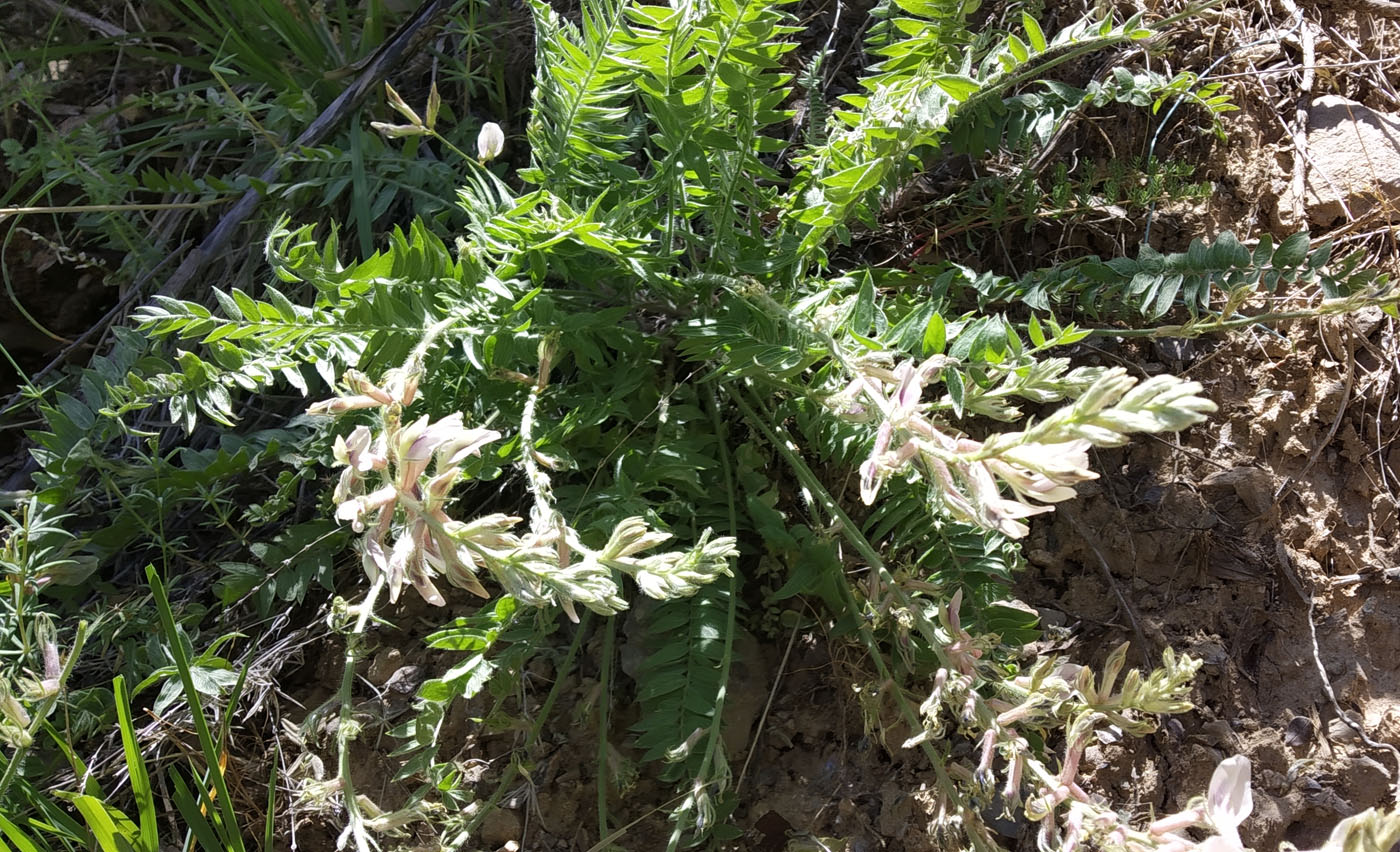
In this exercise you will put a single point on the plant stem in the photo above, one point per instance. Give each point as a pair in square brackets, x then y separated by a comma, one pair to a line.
[604, 701]
[348, 728]
[788, 450]
[1218, 324]
[42, 712]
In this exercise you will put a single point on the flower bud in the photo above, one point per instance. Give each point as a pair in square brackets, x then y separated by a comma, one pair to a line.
[490, 141]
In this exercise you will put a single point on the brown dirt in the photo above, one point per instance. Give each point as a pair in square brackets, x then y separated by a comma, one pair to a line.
[1203, 540]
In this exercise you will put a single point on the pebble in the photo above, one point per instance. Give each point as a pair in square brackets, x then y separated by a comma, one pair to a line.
[500, 827]
[1299, 733]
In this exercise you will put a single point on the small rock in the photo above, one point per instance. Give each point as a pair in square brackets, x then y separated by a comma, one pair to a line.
[499, 828]
[1299, 733]
[1253, 486]
[405, 680]
[1365, 780]
[1219, 734]
[1354, 160]
[1339, 731]
[383, 666]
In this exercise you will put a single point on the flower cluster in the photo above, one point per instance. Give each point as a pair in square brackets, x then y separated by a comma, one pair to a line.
[1040, 466]
[1231, 800]
[1053, 693]
[398, 458]
[395, 485]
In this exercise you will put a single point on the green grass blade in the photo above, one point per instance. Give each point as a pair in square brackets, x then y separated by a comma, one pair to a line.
[98, 816]
[196, 819]
[360, 202]
[17, 836]
[136, 768]
[270, 822]
[201, 724]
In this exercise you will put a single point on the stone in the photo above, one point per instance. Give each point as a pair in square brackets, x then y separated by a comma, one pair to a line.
[383, 666]
[1299, 733]
[1353, 161]
[499, 828]
[1253, 486]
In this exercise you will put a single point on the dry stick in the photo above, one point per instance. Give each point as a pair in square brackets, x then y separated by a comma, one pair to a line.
[1286, 561]
[1123, 604]
[379, 64]
[768, 705]
[408, 37]
[93, 23]
[1300, 116]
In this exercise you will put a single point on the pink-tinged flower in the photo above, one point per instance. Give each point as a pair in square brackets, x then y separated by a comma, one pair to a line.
[407, 562]
[447, 438]
[360, 383]
[1074, 831]
[401, 386]
[993, 510]
[454, 561]
[1004, 517]
[1011, 791]
[1229, 801]
[373, 558]
[357, 509]
[361, 451]
[872, 471]
[342, 404]
[1028, 484]
[982, 775]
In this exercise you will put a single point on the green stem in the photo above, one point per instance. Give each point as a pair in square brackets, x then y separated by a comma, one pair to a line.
[453, 148]
[788, 450]
[604, 705]
[1198, 329]
[42, 712]
[348, 727]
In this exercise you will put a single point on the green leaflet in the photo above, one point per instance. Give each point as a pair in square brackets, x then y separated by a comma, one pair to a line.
[679, 681]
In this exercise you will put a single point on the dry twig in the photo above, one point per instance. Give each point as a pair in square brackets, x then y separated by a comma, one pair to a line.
[409, 36]
[92, 22]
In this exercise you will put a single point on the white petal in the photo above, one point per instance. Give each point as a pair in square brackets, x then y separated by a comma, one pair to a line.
[490, 141]
[1230, 799]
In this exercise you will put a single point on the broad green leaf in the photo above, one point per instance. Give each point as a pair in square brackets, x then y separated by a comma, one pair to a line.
[958, 87]
[1292, 251]
[1034, 33]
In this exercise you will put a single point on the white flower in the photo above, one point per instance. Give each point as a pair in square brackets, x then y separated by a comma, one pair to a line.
[1230, 801]
[490, 141]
